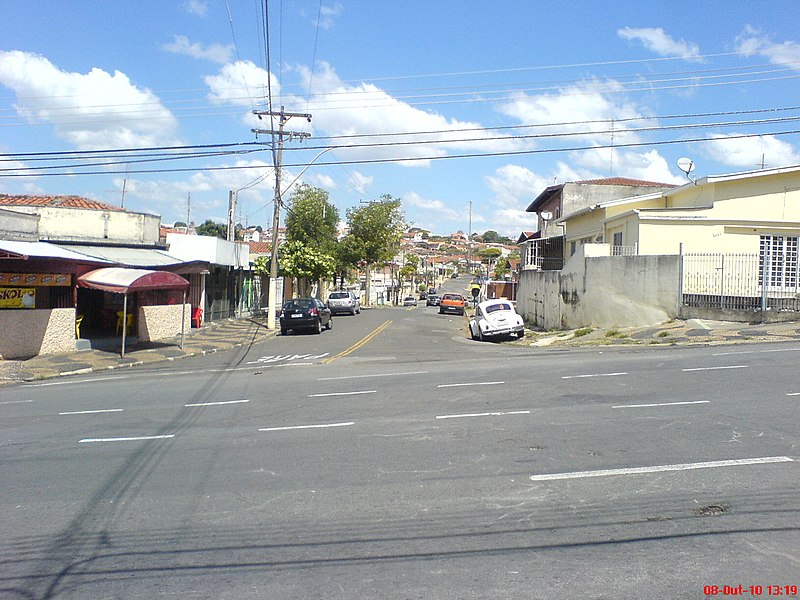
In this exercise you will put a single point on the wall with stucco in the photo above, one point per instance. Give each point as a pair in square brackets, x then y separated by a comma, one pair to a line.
[163, 322]
[601, 291]
[28, 332]
[58, 223]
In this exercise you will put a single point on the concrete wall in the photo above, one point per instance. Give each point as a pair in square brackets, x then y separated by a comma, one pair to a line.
[27, 333]
[76, 224]
[608, 291]
[163, 322]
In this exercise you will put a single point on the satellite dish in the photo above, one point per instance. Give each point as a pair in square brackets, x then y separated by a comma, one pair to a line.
[686, 165]
[546, 215]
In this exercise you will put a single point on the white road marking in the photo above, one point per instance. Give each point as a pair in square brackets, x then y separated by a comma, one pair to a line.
[662, 468]
[661, 404]
[756, 351]
[91, 412]
[595, 375]
[448, 385]
[17, 402]
[486, 414]
[126, 439]
[75, 381]
[221, 403]
[789, 394]
[308, 426]
[373, 375]
[343, 394]
[715, 368]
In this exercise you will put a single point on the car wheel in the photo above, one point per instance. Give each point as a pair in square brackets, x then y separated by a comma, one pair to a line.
[480, 334]
[472, 333]
[319, 326]
[284, 331]
[329, 325]
[353, 312]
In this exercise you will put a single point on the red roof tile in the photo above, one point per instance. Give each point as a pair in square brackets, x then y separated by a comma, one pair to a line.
[626, 181]
[56, 201]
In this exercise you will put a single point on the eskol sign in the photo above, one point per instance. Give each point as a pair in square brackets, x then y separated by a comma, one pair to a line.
[17, 297]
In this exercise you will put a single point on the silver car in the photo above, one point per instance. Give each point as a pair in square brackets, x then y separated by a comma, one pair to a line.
[344, 302]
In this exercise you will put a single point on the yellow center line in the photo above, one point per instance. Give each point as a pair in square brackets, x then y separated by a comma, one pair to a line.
[358, 344]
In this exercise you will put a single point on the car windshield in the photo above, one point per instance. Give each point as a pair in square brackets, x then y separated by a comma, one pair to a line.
[495, 307]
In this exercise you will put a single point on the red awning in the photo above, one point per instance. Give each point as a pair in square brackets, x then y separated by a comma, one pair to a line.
[123, 281]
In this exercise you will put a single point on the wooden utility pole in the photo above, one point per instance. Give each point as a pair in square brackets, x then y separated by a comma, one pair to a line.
[277, 145]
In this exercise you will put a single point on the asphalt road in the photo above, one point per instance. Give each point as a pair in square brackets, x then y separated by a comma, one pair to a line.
[393, 458]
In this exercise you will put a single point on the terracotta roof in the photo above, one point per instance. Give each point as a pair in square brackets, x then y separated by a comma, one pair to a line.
[627, 181]
[56, 201]
[260, 247]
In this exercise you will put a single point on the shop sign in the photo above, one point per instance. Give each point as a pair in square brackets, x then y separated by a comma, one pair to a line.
[17, 297]
[37, 279]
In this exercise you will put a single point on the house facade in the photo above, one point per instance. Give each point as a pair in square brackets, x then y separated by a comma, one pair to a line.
[545, 249]
[727, 243]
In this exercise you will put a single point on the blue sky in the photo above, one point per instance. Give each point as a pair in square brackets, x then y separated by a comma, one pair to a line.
[445, 104]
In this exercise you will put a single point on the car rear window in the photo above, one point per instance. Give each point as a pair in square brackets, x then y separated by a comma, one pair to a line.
[495, 307]
[298, 304]
[339, 295]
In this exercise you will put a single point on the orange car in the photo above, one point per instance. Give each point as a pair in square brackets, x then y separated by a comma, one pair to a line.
[452, 303]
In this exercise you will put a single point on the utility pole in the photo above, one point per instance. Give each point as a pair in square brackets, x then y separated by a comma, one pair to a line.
[277, 136]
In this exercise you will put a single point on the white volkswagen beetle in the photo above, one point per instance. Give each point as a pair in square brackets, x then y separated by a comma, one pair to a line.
[495, 318]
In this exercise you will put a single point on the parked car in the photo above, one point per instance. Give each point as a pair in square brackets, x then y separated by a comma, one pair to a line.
[409, 301]
[433, 300]
[452, 303]
[495, 318]
[305, 313]
[423, 295]
[344, 302]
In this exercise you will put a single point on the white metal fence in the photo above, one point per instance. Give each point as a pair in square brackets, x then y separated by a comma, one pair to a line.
[764, 281]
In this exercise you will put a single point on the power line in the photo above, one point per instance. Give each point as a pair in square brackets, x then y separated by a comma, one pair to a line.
[427, 157]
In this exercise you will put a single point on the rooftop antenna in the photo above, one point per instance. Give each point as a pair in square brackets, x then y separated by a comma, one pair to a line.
[687, 166]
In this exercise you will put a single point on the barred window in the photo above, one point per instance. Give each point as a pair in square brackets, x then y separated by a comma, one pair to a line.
[778, 254]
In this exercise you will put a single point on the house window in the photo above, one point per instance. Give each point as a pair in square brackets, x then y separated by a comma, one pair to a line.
[573, 246]
[616, 244]
[778, 254]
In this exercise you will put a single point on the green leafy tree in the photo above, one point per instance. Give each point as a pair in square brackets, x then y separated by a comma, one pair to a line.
[374, 234]
[311, 224]
[212, 229]
[305, 263]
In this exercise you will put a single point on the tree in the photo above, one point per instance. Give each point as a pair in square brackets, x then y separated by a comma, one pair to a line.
[374, 234]
[179, 224]
[212, 229]
[305, 263]
[311, 226]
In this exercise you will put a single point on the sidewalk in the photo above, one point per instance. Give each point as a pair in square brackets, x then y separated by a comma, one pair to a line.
[689, 332]
[215, 336]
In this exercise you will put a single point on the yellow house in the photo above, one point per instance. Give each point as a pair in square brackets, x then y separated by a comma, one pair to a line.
[736, 213]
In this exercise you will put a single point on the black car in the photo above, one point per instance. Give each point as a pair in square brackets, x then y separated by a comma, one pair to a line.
[433, 300]
[305, 313]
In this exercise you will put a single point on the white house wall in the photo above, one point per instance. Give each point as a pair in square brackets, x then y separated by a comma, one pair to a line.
[76, 224]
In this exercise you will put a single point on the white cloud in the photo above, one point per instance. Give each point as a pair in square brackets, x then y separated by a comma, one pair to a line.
[359, 182]
[435, 208]
[753, 41]
[214, 52]
[588, 112]
[648, 166]
[747, 153]
[92, 110]
[196, 7]
[327, 14]
[342, 109]
[656, 40]
[514, 186]
[240, 83]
